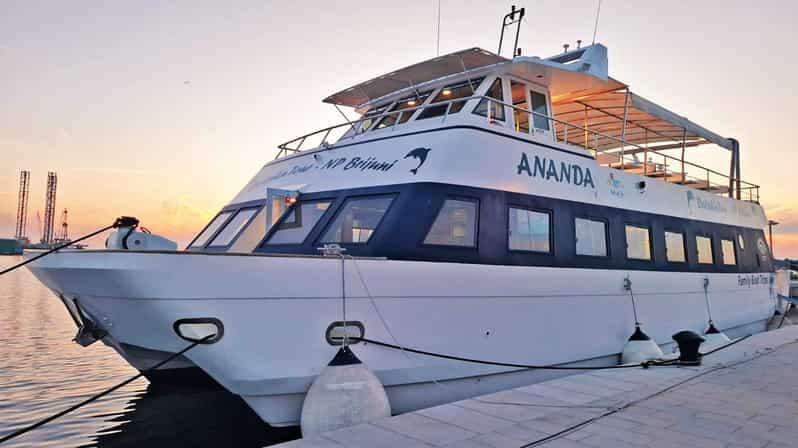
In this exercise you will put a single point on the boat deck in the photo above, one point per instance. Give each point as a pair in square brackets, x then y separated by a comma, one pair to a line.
[744, 395]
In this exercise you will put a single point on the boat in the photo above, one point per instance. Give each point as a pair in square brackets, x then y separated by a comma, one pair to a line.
[10, 246]
[505, 209]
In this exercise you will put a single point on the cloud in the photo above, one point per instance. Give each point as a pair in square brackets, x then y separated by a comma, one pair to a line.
[127, 171]
[183, 212]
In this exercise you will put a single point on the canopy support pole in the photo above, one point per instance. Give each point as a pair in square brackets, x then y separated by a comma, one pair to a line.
[734, 174]
[645, 154]
[623, 130]
[684, 145]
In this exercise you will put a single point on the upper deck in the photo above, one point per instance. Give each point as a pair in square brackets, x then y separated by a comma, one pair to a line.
[567, 99]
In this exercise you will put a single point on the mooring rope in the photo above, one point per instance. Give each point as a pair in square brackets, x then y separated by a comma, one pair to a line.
[66, 411]
[573, 428]
[122, 221]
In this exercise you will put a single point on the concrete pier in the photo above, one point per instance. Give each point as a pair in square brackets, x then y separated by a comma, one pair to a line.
[743, 396]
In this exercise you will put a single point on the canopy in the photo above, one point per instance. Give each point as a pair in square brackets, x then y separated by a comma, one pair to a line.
[433, 69]
[581, 91]
[646, 122]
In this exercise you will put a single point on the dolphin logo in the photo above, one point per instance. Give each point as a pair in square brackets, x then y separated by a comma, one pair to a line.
[421, 155]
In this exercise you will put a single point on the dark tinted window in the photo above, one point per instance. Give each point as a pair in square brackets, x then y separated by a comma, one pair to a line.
[211, 229]
[299, 222]
[455, 225]
[357, 220]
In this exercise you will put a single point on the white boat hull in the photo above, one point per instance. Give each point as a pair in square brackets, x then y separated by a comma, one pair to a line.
[276, 309]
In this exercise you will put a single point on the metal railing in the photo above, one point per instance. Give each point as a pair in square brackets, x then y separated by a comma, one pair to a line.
[654, 164]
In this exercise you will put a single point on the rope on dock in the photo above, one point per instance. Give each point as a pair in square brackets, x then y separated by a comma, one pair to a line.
[582, 424]
[66, 411]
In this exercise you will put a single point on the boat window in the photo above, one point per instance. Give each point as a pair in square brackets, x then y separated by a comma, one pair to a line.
[740, 241]
[541, 109]
[674, 247]
[463, 89]
[591, 237]
[455, 225]
[529, 230]
[489, 108]
[234, 227]
[398, 113]
[357, 220]
[299, 222]
[520, 117]
[211, 229]
[704, 246]
[727, 249]
[638, 243]
[369, 117]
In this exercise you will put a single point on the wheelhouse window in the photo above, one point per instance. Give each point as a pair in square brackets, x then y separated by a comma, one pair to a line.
[455, 225]
[399, 113]
[211, 229]
[674, 247]
[234, 227]
[529, 230]
[638, 243]
[299, 222]
[541, 108]
[463, 89]
[494, 110]
[368, 119]
[727, 250]
[591, 237]
[357, 220]
[704, 246]
[520, 117]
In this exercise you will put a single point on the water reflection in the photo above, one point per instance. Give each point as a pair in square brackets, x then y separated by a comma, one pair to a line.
[42, 372]
[166, 417]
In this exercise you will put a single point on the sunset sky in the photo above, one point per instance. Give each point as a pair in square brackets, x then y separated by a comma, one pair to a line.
[165, 109]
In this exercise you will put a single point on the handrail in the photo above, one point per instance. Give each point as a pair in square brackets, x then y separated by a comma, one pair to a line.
[357, 129]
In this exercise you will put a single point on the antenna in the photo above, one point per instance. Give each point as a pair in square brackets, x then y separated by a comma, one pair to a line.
[438, 47]
[508, 20]
[595, 27]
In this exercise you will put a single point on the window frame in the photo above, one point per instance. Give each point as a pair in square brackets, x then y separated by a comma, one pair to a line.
[548, 212]
[465, 82]
[256, 208]
[504, 83]
[607, 241]
[276, 227]
[438, 212]
[734, 252]
[647, 228]
[426, 97]
[684, 246]
[711, 250]
[213, 235]
[340, 208]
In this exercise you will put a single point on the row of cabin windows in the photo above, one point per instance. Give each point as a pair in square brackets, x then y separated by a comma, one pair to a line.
[530, 231]
[521, 96]
[456, 225]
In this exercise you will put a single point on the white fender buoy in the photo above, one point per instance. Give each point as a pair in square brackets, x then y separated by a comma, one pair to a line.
[346, 393]
[714, 338]
[640, 348]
